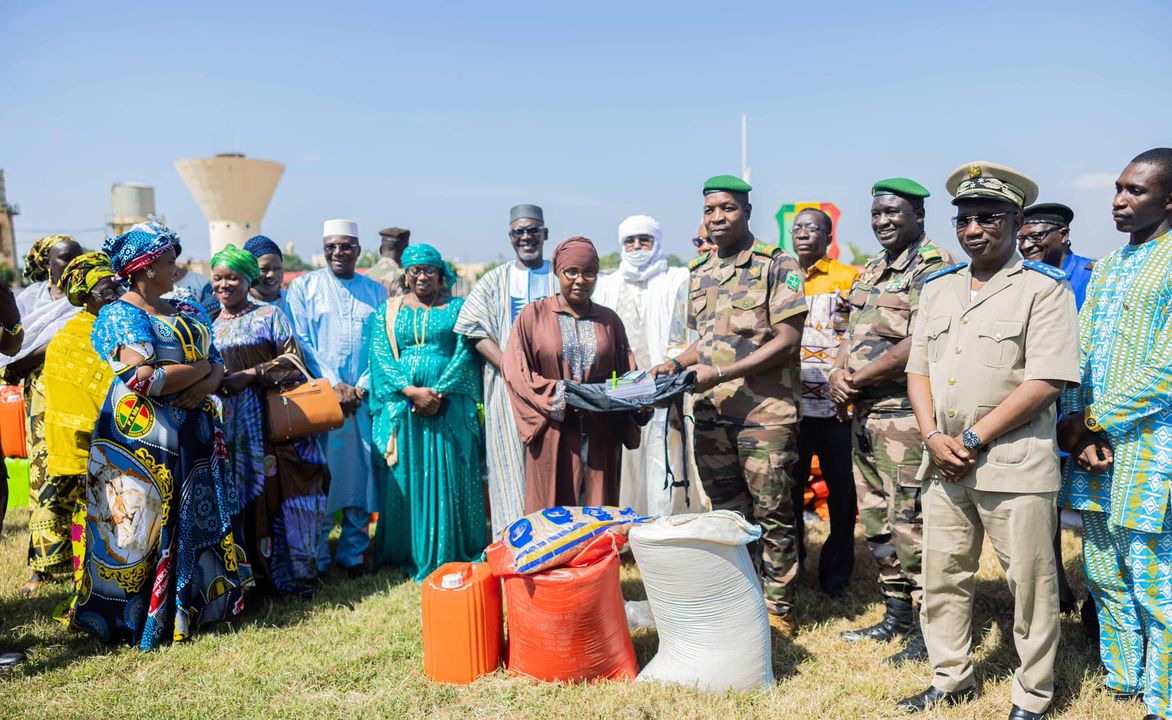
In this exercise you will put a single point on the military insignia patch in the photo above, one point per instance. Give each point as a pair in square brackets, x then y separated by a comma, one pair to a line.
[946, 271]
[1048, 270]
[793, 282]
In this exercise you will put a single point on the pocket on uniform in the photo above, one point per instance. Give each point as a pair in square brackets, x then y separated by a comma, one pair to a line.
[697, 303]
[937, 332]
[999, 342]
[893, 316]
[858, 295]
[906, 476]
[1013, 447]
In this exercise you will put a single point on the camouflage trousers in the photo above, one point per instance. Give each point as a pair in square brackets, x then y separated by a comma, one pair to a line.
[887, 453]
[750, 470]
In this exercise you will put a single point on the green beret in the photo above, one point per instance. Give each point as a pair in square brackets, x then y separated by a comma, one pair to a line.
[726, 183]
[904, 187]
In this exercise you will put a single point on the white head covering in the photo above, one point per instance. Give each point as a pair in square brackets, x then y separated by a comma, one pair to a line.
[641, 265]
[347, 228]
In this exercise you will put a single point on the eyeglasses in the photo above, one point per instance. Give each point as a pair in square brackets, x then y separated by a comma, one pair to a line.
[573, 273]
[110, 293]
[639, 240]
[421, 270]
[988, 221]
[699, 241]
[808, 227]
[332, 248]
[532, 230]
[1036, 238]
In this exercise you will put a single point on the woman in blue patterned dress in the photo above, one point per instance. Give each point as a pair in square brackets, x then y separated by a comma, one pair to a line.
[424, 385]
[161, 555]
[282, 486]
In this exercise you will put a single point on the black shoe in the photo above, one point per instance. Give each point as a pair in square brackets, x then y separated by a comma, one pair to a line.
[1123, 697]
[914, 652]
[932, 697]
[1022, 714]
[1153, 716]
[10, 660]
[1090, 619]
[897, 621]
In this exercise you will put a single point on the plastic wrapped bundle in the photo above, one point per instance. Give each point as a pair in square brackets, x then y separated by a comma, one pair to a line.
[706, 600]
[569, 624]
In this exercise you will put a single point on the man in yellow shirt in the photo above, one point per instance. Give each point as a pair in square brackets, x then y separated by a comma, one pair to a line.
[821, 433]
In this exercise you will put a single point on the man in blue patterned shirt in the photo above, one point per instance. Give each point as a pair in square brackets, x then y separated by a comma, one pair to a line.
[1119, 429]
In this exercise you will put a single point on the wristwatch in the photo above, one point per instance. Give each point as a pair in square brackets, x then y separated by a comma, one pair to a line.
[677, 366]
[971, 440]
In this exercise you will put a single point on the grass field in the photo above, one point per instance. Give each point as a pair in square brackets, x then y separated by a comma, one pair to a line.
[355, 652]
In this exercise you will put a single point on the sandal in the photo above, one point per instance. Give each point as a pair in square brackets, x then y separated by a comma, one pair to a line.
[33, 585]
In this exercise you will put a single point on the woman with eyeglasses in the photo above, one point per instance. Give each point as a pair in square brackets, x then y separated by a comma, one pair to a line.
[424, 386]
[76, 381]
[572, 456]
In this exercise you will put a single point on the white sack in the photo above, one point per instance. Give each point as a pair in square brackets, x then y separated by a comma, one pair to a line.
[706, 601]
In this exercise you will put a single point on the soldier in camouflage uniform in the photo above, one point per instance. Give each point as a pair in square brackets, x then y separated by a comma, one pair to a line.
[747, 303]
[870, 376]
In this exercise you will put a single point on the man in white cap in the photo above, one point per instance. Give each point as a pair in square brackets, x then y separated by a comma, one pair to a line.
[650, 299]
[331, 309]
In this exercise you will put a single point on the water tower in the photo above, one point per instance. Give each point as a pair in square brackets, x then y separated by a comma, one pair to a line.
[130, 204]
[233, 192]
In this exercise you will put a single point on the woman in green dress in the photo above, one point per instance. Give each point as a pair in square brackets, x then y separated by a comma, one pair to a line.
[425, 383]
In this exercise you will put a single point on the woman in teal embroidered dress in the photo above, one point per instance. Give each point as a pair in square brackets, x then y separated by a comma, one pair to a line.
[424, 387]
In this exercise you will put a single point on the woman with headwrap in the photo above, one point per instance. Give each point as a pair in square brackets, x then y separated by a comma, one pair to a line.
[572, 456]
[268, 290]
[163, 555]
[76, 382]
[282, 486]
[44, 310]
[424, 386]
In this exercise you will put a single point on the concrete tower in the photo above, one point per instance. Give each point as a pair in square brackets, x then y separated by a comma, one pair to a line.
[233, 193]
[7, 237]
[130, 204]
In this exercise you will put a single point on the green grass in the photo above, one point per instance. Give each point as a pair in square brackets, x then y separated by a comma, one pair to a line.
[355, 651]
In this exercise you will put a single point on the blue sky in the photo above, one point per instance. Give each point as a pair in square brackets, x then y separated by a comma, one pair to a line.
[439, 116]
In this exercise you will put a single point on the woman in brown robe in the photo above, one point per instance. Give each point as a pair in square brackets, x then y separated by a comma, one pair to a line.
[572, 456]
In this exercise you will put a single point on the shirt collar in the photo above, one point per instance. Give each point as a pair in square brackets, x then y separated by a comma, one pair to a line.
[904, 259]
[822, 266]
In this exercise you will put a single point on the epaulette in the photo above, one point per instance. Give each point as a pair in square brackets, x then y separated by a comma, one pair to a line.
[928, 251]
[946, 271]
[1048, 270]
[697, 262]
[760, 248]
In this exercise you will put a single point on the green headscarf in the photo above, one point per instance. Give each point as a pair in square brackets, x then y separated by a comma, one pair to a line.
[424, 254]
[238, 261]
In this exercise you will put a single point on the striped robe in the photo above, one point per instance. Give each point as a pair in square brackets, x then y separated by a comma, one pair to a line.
[486, 315]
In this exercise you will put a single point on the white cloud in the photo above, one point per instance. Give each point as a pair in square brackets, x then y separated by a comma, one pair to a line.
[1094, 181]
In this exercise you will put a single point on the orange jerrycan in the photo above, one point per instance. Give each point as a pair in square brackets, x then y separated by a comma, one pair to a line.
[463, 629]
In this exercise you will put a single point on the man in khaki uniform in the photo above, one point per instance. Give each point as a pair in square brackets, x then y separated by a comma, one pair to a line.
[747, 304]
[869, 376]
[994, 344]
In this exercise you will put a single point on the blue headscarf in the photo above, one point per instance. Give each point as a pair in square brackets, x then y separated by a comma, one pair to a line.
[140, 247]
[259, 246]
[424, 254]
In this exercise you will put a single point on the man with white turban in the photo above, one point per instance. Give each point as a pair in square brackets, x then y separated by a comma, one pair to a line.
[650, 299]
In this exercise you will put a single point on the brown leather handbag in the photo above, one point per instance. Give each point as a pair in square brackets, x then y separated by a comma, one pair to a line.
[307, 409]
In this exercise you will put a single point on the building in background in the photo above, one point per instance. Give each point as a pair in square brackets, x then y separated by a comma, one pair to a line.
[130, 204]
[7, 235]
[233, 192]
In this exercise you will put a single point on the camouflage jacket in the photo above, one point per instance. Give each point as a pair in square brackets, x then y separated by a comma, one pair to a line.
[735, 306]
[883, 309]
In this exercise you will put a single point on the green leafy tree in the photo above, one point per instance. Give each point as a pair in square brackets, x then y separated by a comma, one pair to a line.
[368, 259]
[675, 261]
[609, 262]
[7, 275]
[858, 256]
[487, 267]
[293, 262]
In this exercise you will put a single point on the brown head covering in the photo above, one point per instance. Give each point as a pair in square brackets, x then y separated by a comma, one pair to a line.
[576, 252]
